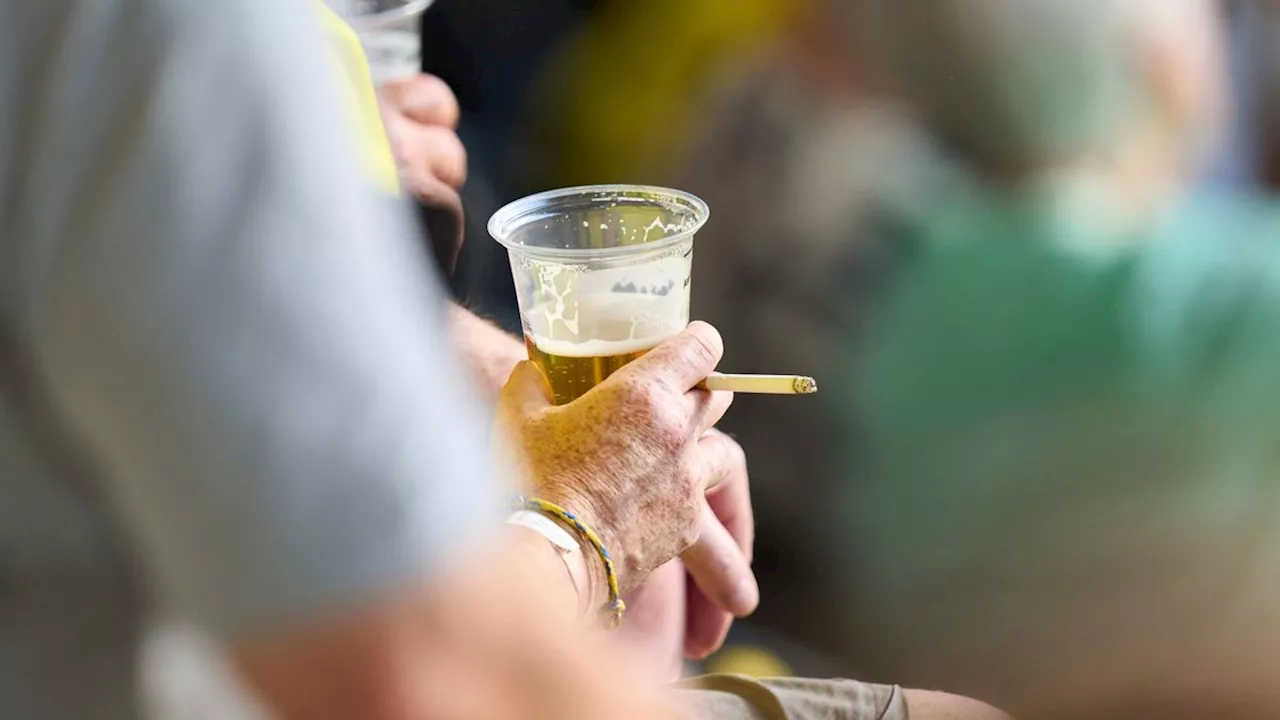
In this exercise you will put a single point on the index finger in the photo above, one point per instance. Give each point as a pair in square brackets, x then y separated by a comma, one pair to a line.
[730, 499]
[683, 361]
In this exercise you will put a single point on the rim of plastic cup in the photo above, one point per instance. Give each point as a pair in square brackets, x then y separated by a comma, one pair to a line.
[503, 220]
[376, 21]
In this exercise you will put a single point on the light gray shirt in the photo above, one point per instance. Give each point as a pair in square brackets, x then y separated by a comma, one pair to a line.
[223, 381]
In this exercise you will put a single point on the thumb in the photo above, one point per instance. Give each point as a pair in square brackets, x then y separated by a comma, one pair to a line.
[526, 390]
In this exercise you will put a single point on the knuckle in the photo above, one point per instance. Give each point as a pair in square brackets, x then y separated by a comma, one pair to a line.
[451, 114]
[689, 534]
[737, 456]
[641, 397]
[439, 89]
[669, 432]
[622, 385]
[456, 151]
[450, 158]
[647, 408]
[425, 91]
[719, 454]
[700, 352]
[707, 344]
[667, 412]
[656, 406]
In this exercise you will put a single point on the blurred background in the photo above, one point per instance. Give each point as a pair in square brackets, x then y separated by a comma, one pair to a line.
[772, 111]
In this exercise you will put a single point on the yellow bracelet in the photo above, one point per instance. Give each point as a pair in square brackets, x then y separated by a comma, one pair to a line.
[616, 607]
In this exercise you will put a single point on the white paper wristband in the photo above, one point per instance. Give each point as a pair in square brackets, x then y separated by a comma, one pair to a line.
[567, 547]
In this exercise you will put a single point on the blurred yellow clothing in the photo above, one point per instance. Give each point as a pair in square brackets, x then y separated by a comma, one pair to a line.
[621, 95]
[748, 661]
[360, 98]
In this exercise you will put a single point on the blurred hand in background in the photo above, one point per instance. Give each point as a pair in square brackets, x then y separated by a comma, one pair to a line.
[421, 118]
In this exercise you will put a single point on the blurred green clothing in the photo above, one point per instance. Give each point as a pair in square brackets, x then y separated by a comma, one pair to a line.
[1072, 438]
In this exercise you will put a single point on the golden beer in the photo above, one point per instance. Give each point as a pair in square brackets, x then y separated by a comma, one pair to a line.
[571, 376]
[606, 332]
[602, 276]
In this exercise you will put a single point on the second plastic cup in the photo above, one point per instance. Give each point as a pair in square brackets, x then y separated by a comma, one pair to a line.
[602, 276]
[389, 31]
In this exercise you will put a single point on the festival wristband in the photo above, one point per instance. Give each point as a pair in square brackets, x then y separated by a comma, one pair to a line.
[616, 607]
[566, 546]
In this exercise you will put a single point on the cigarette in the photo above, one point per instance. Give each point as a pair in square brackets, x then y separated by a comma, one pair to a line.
[761, 384]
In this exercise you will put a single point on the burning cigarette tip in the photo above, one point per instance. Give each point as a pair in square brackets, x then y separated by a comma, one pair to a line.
[806, 386]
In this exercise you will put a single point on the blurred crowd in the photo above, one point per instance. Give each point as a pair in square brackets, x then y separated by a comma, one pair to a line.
[793, 122]
[1030, 249]
[830, 140]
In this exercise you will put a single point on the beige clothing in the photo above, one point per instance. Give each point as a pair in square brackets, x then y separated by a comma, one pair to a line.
[735, 697]
[191, 681]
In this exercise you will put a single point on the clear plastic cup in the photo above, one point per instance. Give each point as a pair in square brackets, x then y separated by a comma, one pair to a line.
[602, 275]
[389, 31]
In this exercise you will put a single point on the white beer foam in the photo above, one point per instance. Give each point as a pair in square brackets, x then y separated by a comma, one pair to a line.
[606, 324]
[598, 348]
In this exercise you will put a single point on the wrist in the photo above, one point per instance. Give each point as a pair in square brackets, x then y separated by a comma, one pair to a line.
[490, 353]
[599, 577]
[604, 525]
[584, 571]
[541, 564]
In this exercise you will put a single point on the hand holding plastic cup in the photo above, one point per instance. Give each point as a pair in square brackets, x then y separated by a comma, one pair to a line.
[602, 276]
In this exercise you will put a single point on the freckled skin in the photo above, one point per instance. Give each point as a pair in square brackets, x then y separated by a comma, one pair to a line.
[625, 455]
[618, 458]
